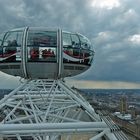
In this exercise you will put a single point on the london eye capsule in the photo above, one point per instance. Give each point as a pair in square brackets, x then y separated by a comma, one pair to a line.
[33, 52]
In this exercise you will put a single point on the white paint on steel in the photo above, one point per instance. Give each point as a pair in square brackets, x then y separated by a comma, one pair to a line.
[24, 52]
[38, 110]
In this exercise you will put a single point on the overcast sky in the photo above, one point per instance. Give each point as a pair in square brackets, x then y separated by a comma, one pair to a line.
[112, 26]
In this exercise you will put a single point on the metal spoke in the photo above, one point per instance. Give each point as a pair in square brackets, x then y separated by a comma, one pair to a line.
[47, 109]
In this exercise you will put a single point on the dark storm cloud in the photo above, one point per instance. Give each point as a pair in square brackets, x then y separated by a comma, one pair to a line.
[110, 30]
[66, 14]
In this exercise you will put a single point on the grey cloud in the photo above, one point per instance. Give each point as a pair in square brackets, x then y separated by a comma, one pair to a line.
[116, 57]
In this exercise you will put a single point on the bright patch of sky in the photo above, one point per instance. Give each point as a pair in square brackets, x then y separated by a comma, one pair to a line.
[108, 4]
[135, 39]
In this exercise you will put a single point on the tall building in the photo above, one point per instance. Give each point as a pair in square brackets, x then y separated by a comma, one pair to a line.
[123, 104]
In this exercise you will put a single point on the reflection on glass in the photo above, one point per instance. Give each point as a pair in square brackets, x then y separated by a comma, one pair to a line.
[67, 39]
[80, 56]
[75, 41]
[76, 49]
[11, 47]
[42, 46]
[42, 38]
[1, 39]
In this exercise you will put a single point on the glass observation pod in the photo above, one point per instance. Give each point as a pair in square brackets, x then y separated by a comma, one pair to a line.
[44, 53]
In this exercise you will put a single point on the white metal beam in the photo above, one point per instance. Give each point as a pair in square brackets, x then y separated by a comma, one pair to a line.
[47, 109]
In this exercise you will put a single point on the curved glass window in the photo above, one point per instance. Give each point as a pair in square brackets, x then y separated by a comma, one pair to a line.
[67, 40]
[85, 43]
[1, 39]
[75, 41]
[86, 50]
[11, 46]
[77, 49]
[42, 45]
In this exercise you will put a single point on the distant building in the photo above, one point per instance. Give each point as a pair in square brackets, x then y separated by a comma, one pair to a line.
[132, 110]
[121, 116]
[138, 125]
[123, 104]
[138, 120]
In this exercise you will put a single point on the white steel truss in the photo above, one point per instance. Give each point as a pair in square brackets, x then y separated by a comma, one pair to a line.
[49, 110]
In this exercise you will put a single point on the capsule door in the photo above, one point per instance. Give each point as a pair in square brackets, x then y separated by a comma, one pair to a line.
[41, 53]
